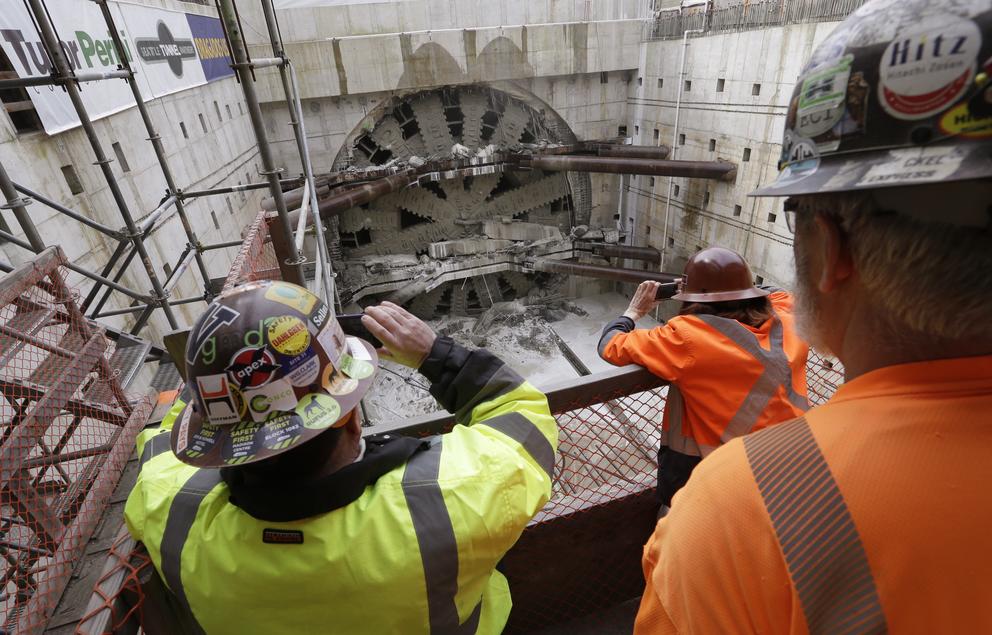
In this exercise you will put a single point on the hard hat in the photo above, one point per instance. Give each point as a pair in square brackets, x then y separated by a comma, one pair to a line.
[717, 275]
[269, 368]
[899, 94]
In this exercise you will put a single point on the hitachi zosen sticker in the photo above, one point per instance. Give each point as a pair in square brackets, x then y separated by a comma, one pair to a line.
[926, 70]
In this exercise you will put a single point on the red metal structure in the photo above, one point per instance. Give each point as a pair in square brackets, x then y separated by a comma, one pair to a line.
[66, 431]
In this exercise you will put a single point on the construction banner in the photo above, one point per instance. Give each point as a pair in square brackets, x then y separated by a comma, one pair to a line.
[169, 51]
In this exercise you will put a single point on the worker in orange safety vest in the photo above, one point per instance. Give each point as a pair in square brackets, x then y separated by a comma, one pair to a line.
[732, 356]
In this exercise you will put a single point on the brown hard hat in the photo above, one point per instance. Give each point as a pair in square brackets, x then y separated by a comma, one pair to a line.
[717, 275]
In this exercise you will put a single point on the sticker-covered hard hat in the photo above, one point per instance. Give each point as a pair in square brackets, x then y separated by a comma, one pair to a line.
[899, 94]
[269, 368]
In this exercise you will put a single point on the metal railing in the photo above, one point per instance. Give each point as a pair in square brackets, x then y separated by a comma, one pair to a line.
[744, 16]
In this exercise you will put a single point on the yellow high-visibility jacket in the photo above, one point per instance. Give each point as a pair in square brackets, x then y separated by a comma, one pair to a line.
[414, 553]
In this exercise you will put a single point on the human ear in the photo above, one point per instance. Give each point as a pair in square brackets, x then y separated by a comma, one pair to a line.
[834, 253]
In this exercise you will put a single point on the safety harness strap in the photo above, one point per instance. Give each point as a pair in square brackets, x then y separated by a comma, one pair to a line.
[821, 545]
[776, 373]
[182, 515]
[436, 539]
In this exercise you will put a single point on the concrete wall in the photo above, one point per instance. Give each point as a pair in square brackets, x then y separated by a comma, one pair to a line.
[734, 120]
[224, 154]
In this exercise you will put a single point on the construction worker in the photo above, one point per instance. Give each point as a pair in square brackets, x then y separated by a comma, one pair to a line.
[732, 356]
[265, 510]
[870, 513]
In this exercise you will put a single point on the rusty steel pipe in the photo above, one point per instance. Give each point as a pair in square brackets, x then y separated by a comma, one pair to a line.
[632, 152]
[366, 192]
[721, 170]
[619, 274]
[626, 252]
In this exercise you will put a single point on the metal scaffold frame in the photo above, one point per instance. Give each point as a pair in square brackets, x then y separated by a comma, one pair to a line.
[131, 238]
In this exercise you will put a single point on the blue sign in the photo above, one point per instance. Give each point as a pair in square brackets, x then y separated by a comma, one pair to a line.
[208, 37]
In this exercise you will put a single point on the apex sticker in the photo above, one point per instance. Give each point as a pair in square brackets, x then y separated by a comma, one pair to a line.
[252, 367]
[165, 48]
[923, 73]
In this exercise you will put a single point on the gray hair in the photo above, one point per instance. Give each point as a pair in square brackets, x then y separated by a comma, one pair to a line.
[931, 277]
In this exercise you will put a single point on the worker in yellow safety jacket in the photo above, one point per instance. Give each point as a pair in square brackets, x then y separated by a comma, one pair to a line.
[265, 510]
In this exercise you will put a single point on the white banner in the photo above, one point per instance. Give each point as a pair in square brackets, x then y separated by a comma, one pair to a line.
[303, 4]
[162, 50]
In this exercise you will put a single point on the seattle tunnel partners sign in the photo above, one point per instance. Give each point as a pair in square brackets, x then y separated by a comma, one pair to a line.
[168, 50]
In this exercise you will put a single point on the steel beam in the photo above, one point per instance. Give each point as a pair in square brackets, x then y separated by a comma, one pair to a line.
[720, 170]
[61, 64]
[231, 189]
[292, 268]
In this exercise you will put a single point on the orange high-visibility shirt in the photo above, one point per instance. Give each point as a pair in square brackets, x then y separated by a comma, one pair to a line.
[726, 386]
[871, 512]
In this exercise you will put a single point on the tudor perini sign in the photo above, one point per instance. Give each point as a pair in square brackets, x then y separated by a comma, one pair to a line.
[165, 48]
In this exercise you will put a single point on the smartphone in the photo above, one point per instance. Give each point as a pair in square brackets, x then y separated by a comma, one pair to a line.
[667, 290]
[351, 324]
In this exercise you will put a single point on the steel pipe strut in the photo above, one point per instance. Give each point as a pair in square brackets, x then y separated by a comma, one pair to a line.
[366, 192]
[626, 252]
[618, 274]
[632, 152]
[61, 65]
[722, 170]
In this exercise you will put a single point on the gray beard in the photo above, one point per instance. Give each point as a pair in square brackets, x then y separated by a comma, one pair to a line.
[807, 308]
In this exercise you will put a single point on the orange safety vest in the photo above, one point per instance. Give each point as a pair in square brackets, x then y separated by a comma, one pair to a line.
[728, 379]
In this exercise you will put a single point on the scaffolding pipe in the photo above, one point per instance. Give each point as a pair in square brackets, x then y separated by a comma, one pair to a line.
[261, 62]
[232, 243]
[722, 170]
[83, 272]
[157, 146]
[48, 80]
[146, 229]
[47, 32]
[114, 257]
[231, 189]
[18, 205]
[618, 274]
[291, 268]
[675, 141]
[144, 307]
[58, 207]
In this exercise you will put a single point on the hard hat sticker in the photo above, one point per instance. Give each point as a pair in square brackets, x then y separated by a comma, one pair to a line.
[961, 122]
[303, 369]
[282, 431]
[822, 98]
[340, 385]
[924, 71]
[275, 397]
[292, 296]
[288, 335]
[182, 436]
[911, 165]
[358, 350]
[203, 441]
[217, 315]
[318, 411]
[252, 367]
[223, 403]
[355, 368]
[243, 443]
[319, 315]
[331, 339]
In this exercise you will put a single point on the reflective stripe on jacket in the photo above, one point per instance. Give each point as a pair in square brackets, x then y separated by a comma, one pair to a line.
[416, 553]
[728, 379]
